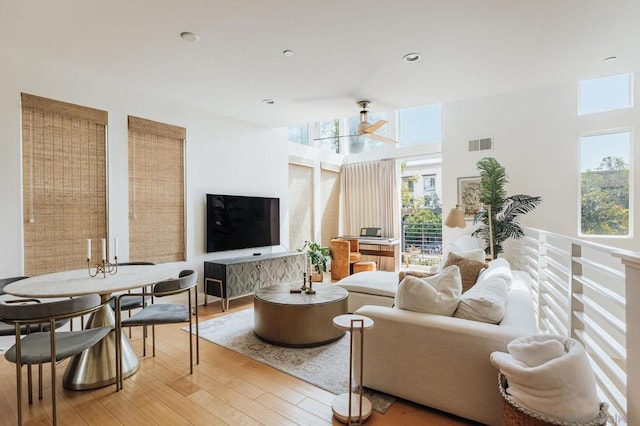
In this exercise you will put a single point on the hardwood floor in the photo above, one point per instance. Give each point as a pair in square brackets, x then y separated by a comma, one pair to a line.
[225, 389]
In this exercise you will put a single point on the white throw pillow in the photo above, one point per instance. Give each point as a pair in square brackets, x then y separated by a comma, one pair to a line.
[486, 301]
[438, 294]
[497, 267]
[475, 254]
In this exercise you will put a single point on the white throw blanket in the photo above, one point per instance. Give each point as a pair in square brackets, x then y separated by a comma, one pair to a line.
[550, 375]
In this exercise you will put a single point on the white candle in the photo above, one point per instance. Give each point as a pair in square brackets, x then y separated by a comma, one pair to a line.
[104, 249]
[115, 247]
[89, 248]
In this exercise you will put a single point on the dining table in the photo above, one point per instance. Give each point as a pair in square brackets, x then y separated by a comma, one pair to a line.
[96, 367]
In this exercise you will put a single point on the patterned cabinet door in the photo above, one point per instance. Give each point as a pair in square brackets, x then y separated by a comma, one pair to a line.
[281, 269]
[243, 278]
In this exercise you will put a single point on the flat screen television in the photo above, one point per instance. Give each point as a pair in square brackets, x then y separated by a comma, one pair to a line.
[237, 222]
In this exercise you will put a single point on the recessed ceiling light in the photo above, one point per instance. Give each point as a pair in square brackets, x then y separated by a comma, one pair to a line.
[412, 57]
[189, 36]
[269, 101]
[287, 52]
[610, 58]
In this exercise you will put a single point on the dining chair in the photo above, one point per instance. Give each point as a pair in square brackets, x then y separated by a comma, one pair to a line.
[10, 330]
[49, 346]
[162, 313]
[129, 301]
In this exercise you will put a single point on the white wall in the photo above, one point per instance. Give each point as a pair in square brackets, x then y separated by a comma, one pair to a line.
[222, 155]
[536, 137]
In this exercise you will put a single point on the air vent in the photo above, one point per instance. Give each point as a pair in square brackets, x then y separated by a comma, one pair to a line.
[480, 144]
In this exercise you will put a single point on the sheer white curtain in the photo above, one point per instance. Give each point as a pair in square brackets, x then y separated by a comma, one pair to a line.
[371, 197]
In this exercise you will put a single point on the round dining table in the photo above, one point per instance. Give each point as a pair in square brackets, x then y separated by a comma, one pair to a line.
[95, 367]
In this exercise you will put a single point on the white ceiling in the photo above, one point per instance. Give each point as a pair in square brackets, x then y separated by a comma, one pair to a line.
[344, 50]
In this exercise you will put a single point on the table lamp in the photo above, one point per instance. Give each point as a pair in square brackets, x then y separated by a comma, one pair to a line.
[455, 218]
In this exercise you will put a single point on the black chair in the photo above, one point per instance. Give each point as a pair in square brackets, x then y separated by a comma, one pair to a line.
[162, 313]
[49, 346]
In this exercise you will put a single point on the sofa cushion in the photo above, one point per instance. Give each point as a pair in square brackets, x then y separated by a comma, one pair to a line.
[438, 294]
[497, 267]
[477, 254]
[419, 274]
[469, 269]
[378, 283]
[486, 301]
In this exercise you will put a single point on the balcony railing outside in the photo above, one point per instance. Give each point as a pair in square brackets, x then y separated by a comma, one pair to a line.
[422, 243]
[581, 290]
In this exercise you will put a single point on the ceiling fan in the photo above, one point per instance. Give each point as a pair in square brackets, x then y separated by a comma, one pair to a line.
[364, 128]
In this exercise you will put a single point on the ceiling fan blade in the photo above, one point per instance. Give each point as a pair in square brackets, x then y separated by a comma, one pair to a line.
[380, 138]
[375, 126]
[333, 137]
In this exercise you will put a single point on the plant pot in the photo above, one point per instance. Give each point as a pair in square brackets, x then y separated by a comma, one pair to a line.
[316, 277]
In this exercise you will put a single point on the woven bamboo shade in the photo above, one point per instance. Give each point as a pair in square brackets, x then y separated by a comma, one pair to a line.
[300, 205]
[64, 183]
[156, 191]
[330, 199]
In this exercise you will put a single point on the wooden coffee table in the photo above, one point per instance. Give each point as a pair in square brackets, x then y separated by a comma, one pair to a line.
[298, 319]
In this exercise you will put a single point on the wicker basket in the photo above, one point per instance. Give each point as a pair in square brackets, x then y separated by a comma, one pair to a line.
[514, 414]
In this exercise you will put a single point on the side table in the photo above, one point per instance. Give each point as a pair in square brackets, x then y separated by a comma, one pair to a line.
[344, 405]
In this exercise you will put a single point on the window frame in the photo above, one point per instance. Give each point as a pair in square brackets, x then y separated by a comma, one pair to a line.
[630, 234]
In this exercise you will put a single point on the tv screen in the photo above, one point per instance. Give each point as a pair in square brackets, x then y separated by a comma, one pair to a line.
[237, 222]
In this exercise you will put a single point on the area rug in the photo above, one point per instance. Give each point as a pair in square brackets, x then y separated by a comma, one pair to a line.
[324, 366]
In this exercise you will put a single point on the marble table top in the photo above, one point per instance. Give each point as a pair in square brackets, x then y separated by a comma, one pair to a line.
[78, 282]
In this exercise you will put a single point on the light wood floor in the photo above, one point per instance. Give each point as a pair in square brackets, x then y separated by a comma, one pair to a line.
[226, 388]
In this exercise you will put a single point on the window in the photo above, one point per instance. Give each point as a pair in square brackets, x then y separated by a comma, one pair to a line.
[299, 134]
[330, 204]
[420, 125]
[605, 184]
[363, 144]
[300, 205]
[156, 191]
[64, 183]
[605, 93]
[429, 184]
[328, 132]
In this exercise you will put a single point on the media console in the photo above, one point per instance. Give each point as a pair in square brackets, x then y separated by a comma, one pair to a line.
[238, 276]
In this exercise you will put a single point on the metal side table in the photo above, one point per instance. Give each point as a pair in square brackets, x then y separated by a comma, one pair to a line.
[352, 408]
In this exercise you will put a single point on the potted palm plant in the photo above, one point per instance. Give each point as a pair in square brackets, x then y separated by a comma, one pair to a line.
[500, 215]
[318, 257]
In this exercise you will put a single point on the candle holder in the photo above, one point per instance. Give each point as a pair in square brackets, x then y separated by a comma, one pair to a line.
[104, 267]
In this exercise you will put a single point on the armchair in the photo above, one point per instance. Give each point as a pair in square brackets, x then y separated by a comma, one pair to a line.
[344, 253]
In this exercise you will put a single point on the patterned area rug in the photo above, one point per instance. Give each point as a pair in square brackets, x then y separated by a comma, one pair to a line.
[324, 366]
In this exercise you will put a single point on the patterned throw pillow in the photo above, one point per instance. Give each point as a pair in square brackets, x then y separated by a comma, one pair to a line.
[469, 269]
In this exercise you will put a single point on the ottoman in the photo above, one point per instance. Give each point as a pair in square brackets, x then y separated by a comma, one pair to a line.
[370, 288]
[364, 266]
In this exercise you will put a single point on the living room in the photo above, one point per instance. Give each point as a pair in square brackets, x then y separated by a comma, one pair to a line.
[532, 119]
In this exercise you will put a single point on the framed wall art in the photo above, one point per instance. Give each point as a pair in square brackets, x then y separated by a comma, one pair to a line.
[469, 195]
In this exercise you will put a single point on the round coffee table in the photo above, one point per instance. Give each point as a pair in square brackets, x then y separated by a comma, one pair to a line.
[298, 319]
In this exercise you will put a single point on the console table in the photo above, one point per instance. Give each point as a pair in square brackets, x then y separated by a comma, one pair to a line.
[235, 277]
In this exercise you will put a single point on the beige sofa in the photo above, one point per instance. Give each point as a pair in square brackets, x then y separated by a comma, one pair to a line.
[443, 362]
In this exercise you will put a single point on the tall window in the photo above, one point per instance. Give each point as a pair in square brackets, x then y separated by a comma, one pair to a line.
[300, 205]
[363, 144]
[420, 125]
[328, 132]
[605, 184]
[605, 93]
[156, 191]
[64, 183]
[299, 134]
[330, 204]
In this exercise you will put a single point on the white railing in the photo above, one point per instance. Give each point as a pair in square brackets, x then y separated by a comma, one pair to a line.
[590, 292]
